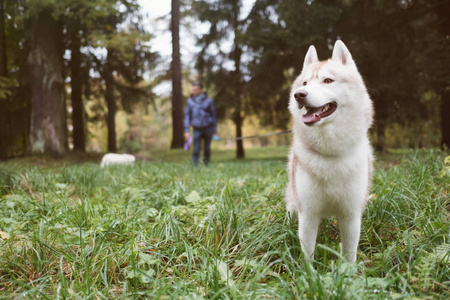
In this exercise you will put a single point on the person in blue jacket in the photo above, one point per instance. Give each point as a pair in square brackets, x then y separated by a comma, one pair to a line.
[200, 113]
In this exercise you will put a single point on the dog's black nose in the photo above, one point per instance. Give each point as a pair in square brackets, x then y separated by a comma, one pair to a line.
[300, 96]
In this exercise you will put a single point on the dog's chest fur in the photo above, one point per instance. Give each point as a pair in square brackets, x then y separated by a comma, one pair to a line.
[329, 185]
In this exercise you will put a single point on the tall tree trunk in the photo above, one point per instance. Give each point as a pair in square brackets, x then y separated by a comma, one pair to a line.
[79, 140]
[4, 107]
[48, 132]
[111, 102]
[444, 30]
[236, 55]
[177, 109]
[3, 57]
[238, 119]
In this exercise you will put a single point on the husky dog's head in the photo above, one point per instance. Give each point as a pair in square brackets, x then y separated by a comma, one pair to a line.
[330, 92]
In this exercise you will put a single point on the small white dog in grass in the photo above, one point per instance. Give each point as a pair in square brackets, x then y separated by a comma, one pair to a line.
[117, 159]
[330, 163]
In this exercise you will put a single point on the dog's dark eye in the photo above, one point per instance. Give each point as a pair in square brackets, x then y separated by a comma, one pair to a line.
[304, 83]
[328, 80]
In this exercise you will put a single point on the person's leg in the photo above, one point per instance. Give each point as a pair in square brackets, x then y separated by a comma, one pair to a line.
[207, 147]
[197, 146]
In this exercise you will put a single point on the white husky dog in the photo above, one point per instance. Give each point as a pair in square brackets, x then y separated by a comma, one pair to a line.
[117, 159]
[330, 163]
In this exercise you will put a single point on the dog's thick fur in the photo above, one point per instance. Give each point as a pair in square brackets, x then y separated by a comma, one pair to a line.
[117, 159]
[330, 162]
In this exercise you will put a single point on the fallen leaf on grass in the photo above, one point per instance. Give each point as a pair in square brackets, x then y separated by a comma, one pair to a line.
[4, 235]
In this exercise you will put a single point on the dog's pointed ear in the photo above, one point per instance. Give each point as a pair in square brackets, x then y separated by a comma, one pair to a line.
[341, 54]
[311, 57]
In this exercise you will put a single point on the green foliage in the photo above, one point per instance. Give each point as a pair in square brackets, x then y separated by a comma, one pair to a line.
[166, 229]
[217, 66]
[398, 46]
[88, 27]
[5, 87]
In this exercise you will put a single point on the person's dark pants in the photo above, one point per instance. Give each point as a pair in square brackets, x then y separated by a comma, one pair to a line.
[205, 134]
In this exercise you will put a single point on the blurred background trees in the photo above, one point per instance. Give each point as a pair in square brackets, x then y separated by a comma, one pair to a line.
[394, 43]
[223, 68]
[71, 71]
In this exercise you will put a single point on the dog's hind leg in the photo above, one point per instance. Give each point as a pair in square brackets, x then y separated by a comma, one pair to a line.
[307, 232]
[350, 228]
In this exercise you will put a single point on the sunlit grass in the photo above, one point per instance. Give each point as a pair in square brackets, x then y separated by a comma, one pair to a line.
[163, 229]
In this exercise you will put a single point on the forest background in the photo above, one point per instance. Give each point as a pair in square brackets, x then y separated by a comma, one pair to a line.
[78, 75]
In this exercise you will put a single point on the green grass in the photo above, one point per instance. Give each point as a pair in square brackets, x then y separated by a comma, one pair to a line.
[162, 229]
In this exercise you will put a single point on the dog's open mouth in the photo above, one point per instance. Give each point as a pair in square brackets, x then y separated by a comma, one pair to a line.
[315, 114]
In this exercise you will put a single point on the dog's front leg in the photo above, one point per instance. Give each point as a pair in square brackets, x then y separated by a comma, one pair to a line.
[350, 228]
[291, 202]
[307, 232]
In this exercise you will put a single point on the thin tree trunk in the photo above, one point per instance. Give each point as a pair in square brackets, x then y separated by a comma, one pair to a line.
[4, 107]
[177, 110]
[444, 29]
[79, 140]
[111, 103]
[381, 138]
[48, 129]
[238, 122]
[237, 79]
[3, 56]
[445, 120]
[238, 119]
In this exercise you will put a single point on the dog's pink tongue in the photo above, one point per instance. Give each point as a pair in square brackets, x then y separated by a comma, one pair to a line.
[312, 116]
